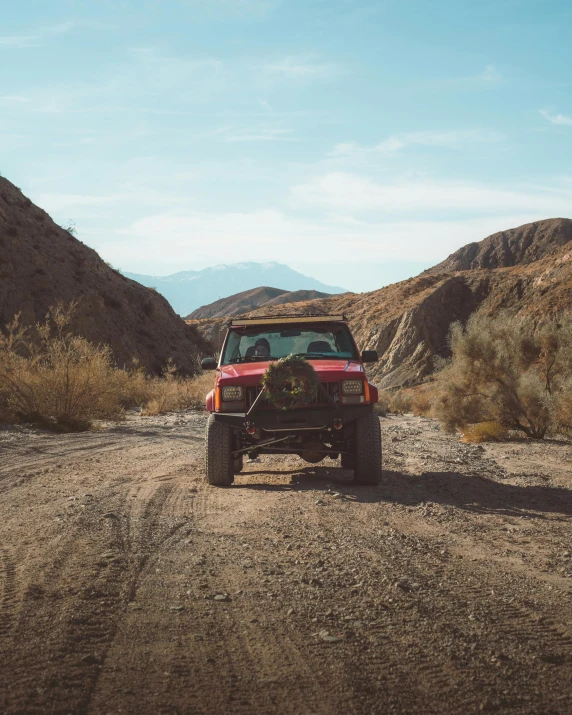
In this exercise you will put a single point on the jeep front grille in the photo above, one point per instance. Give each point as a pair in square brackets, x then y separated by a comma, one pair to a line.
[332, 388]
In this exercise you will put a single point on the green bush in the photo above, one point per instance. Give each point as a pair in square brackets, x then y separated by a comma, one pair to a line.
[509, 371]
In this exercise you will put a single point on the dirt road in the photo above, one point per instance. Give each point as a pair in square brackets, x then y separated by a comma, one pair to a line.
[127, 585]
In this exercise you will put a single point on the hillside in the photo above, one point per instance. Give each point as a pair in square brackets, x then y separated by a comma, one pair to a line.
[42, 264]
[251, 300]
[524, 244]
[408, 322]
[188, 290]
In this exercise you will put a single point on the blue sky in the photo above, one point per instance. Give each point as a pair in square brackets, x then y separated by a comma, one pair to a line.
[356, 141]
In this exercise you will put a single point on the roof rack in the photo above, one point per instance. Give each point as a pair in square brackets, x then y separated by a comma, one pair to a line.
[291, 318]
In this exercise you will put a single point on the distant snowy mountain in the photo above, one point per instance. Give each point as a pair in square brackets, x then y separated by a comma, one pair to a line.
[189, 290]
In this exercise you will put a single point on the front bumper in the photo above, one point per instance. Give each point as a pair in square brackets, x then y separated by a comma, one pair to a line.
[307, 418]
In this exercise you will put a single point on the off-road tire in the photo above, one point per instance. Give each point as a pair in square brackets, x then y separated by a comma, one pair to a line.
[367, 460]
[218, 454]
[348, 461]
[238, 464]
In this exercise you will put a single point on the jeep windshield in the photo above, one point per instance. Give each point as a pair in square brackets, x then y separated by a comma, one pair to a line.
[329, 342]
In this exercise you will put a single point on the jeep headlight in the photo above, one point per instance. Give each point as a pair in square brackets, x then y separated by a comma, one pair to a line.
[352, 387]
[232, 392]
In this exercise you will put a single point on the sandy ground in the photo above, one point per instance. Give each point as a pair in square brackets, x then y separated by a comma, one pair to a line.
[128, 585]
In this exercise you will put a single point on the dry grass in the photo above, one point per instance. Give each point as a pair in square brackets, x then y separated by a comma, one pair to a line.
[395, 402]
[170, 393]
[400, 402]
[563, 410]
[483, 432]
[58, 380]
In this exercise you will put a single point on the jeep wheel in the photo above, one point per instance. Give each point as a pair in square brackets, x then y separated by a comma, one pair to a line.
[218, 453]
[367, 464]
[238, 464]
[348, 461]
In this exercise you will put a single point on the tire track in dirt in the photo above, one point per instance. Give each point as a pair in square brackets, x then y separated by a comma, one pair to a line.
[113, 608]
[78, 593]
[270, 649]
[7, 593]
[516, 626]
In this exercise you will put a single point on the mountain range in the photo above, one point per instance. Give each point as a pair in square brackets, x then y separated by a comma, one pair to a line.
[523, 270]
[188, 290]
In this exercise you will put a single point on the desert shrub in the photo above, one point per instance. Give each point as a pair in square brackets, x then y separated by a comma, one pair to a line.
[509, 371]
[166, 393]
[396, 402]
[381, 408]
[422, 401]
[400, 402]
[483, 432]
[563, 409]
[55, 378]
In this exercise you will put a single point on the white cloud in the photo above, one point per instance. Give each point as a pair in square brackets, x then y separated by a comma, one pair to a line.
[452, 139]
[253, 8]
[339, 190]
[14, 99]
[560, 119]
[490, 75]
[35, 38]
[261, 135]
[299, 68]
[449, 139]
[190, 239]
[59, 202]
[79, 204]
[187, 227]
[194, 79]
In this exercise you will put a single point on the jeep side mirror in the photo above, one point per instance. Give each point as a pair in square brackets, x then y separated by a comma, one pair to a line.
[369, 356]
[208, 364]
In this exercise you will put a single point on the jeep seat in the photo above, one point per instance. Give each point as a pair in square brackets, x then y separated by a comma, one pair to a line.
[319, 346]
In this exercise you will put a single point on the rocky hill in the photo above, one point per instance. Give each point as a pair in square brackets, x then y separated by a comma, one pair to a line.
[408, 322]
[188, 290]
[41, 264]
[249, 300]
[524, 244]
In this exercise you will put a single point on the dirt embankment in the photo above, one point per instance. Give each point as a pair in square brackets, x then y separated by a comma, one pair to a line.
[127, 585]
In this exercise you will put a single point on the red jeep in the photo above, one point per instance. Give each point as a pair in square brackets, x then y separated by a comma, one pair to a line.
[339, 421]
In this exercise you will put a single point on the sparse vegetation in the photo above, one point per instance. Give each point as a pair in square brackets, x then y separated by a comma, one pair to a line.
[483, 432]
[510, 372]
[53, 378]
[167, 393]
[397, 402]
[70, 227]
[422, 401]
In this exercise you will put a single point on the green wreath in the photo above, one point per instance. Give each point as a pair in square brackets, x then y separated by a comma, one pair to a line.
[290, 382]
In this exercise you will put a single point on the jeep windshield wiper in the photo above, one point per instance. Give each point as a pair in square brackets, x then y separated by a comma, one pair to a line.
[318, 355]
[252, 358]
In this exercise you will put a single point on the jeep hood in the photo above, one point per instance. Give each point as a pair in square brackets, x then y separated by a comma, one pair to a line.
[250, 373]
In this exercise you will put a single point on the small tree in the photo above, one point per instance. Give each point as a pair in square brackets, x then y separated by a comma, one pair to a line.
[508, 370]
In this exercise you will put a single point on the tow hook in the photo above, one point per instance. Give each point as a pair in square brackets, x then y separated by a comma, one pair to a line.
[338, 424]
[249, 427]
